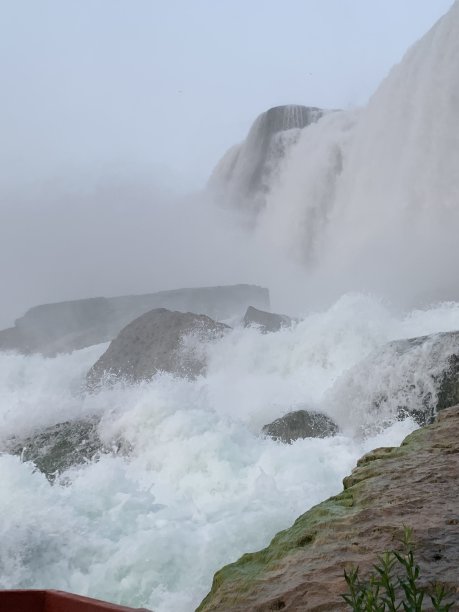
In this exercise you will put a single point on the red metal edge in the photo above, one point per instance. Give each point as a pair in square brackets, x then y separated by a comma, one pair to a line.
[56, 601]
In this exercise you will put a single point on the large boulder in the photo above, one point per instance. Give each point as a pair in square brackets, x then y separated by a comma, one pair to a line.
[158, 341]
[300, 424]
[415, 485]
[63, 327]
[265, 321]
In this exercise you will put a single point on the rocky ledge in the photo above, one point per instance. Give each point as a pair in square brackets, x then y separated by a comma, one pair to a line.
[414, 485]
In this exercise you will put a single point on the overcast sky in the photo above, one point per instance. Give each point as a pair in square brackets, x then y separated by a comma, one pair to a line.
[106, 105]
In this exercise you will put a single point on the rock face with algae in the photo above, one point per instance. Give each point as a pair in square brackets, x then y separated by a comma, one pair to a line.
[414, 485]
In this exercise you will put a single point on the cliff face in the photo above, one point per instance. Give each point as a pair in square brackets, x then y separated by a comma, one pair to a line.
[415, 485]
[243, 176]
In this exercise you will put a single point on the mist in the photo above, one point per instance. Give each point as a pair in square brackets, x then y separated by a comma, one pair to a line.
[137, 452]
[107, 145]
[110, 235]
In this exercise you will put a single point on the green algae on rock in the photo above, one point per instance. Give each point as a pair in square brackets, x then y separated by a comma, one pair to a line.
[416, 484]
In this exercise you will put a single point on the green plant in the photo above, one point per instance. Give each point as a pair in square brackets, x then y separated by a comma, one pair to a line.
[394, 584]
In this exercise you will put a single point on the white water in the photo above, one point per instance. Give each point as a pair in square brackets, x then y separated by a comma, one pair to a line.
[369, 199]
[201, 486]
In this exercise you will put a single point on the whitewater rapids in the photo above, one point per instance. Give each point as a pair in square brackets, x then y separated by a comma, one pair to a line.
[201, 486]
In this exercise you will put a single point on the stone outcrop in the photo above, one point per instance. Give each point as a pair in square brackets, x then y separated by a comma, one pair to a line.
[158, 341]
[50, 329]
[243, 176]
[300, 424]
[265, 321]
[415, 485]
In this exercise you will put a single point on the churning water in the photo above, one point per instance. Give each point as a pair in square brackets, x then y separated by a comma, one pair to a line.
[373, 196]
[201, 486]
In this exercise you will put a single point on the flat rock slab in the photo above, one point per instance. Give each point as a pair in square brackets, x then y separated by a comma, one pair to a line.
[414, 485]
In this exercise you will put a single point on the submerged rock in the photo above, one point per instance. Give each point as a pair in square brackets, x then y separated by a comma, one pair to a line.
[416, 377]
[63, 327]
[158, 341]
[414, 485]
[300, 424]
[265, 321]
[59, 447]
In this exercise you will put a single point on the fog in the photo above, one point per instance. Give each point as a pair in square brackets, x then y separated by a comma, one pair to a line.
[114, 117]
[119, 235]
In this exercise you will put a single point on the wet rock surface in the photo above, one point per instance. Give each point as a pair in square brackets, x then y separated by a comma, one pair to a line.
[158, 341]
[59, 447]
[265, 321]
[415, 377]
[415, 485]
[300, 424]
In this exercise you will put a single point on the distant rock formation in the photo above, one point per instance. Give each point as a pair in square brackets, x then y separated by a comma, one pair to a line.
[265, 321]
[158, 341]
[415, 485]
[243, 176]
[67, 326]
[300, 424]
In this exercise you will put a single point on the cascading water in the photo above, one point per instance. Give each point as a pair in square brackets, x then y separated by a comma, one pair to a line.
[243, 175]
[368, 200]
[200, 486]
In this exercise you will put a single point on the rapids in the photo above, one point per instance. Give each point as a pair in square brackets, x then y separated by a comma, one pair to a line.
[201, 485]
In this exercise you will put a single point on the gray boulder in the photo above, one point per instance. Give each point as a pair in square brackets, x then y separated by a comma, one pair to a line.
[57, 448]
[300, 424]
[158, 341]
[63, 327]
[265, 321]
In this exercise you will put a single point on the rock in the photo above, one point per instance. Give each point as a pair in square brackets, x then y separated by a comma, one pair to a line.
[266, 321]
[243, 176]
[414, 485]
[57, 448]
[158, 341]
[448, 384]
[50, 329]
[300, 424]
[414, 377]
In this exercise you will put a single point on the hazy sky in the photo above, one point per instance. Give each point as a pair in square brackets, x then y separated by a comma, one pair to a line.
[169, 85]
[107, 104]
